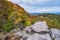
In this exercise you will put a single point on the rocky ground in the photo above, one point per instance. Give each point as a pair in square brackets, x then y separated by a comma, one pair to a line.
[53, 34]
[29, 34]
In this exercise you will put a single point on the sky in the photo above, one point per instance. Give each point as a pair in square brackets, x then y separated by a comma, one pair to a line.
[39, 6]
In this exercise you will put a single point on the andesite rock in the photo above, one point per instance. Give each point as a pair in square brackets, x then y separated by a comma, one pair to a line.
[57, 39]
[37, 36]
[40, 26]
[51, 34]
[55, 33]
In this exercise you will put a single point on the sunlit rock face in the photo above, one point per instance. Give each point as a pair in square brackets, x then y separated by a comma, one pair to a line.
[37, 36]
[40, 26]
[37, 27]
[55, 33]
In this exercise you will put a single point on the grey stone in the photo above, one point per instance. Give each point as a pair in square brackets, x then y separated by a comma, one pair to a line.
[57, 39]
[55, 33]
[40, 26]
[37, 36]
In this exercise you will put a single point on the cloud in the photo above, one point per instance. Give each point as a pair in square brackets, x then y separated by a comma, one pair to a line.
[43, 10]
[30, 1]
[39, 5]
[35, 1]
[49, 9]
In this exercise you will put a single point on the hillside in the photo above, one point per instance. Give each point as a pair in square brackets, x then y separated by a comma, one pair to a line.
[11, 15]
[52, 20]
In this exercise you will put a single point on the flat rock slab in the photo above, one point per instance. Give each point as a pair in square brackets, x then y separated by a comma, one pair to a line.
[36, 36]
[55, 33]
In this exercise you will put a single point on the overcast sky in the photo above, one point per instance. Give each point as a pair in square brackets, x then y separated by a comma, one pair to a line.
[39, 6]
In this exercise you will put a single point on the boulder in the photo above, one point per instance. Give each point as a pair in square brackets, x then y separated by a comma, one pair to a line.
[40, 26]
[22, 33]
[57, 39]
[55, 33]
[37, 36]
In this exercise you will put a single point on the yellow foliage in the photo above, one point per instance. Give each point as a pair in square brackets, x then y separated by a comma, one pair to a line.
[21, 10]
[17, 20]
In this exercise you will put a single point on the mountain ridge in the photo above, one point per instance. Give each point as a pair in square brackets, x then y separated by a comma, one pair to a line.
[44, 13]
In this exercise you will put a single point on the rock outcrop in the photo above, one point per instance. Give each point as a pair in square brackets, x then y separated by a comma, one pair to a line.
[37, 36]
[55, 33]
[30, 33]
[40, 26]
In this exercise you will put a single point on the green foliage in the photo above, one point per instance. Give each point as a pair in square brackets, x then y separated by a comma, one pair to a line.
[14, 15]
[53, 21]
[8, 26]
[27, 23]
[0, 21]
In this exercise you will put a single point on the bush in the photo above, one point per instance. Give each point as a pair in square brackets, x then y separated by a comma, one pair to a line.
[8, 26]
